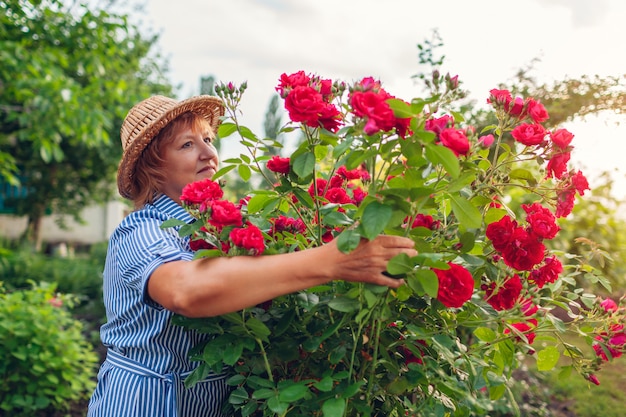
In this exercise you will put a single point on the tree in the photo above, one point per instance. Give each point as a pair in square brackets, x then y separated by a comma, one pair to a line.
[68, 77]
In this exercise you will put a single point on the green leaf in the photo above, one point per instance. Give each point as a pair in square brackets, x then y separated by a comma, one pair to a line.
[226, 129]
[424, 281]
[401, 109]
[468, 215]
[277, 406]
[325, 384]
[304, 164]
[244, 172]
[485, 334]
[223, 171]
[238, 396]
[258, 328]
[400, 264]
[259, 201]
[334, 407]
[348, 240]
[303, 197]
[344, 304]
[375, 218]
[438, 154]
[172, 223]
[523, 174]
[293, 393]
[263, 394]
[547, 358]
[232, 354]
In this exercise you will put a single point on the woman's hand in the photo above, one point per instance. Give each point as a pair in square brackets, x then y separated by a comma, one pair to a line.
[369, 260]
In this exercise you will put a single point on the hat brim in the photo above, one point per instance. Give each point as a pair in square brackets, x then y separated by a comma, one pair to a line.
[209, 107]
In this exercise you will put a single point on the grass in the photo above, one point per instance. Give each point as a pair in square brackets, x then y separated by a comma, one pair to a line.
[588, 400]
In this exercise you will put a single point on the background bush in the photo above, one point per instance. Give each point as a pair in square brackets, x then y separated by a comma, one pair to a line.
[47, 362]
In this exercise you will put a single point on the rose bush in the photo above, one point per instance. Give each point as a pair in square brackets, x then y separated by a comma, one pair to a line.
[484, 294]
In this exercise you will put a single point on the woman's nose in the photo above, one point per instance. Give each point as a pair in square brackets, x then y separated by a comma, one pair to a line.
[209, 151]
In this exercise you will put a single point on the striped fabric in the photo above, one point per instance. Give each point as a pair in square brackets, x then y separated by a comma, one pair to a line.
[147, 359]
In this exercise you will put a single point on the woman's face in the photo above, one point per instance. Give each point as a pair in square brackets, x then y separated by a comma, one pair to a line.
[189, 157]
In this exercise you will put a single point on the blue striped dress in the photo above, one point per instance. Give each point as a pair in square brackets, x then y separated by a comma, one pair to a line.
[147, 357]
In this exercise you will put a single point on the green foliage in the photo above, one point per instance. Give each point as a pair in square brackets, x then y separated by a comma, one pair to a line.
[68, 76]
[350, 349]
[80, 275]
[46, 362]
[597, 229]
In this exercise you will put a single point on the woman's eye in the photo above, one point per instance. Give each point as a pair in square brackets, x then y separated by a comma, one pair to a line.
[186, 144]
[207, 140]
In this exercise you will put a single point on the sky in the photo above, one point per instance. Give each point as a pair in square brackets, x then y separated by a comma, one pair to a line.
[485, 42]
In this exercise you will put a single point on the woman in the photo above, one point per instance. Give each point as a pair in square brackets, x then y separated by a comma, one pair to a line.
[150, 275]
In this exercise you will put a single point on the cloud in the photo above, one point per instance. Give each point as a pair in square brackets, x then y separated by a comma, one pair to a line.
[584, 13]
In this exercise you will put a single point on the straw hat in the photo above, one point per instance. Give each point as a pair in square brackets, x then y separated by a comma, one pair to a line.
[146, 119]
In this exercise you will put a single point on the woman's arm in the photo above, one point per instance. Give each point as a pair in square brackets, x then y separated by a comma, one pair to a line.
[210, 287]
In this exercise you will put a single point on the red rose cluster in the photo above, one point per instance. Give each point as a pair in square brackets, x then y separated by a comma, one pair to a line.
[553, 146]
[369, 102]
[308, 100]
[204, 199]
[447, 135]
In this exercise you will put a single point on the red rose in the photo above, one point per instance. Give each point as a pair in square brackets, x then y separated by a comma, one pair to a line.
[200, 191]
[318, 188]
[542, 223]
[609, 305]
[548, 273]
[565, 203]
[537, 111]
[455, 140]
[501, 232]
[288, 82]
[529, 134]
[438, 124]
[304, 104]
[330, 118]
[278, 164]
[561, 138]
[358, 195]
[224, 213]
[373, 107]
[507, 295]
[557, 166]
[580, 183]
[456, 285]
[524, 328]
[248, 237]
[523, 251]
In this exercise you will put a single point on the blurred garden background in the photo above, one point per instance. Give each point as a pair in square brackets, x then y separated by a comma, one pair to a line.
[69, 73]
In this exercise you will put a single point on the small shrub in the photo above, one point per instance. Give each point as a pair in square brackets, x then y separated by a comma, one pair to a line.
[46, 361]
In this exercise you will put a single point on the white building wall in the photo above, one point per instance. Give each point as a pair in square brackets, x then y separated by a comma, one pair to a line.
[99, 222]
